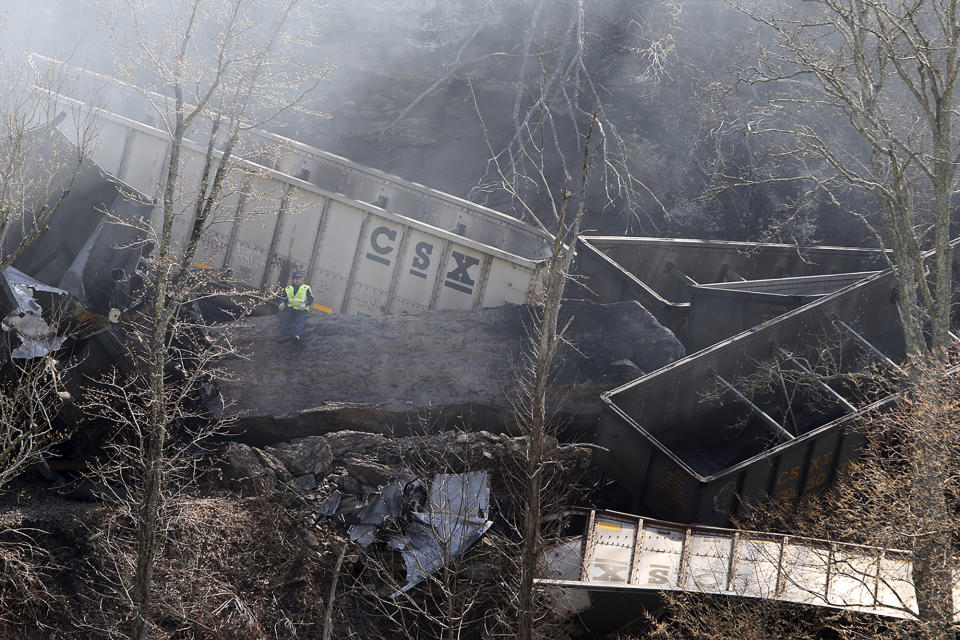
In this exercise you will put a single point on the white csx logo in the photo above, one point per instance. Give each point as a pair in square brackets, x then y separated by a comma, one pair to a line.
[659, 574]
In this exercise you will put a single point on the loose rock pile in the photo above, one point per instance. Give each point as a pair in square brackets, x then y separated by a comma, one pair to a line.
[354, 464]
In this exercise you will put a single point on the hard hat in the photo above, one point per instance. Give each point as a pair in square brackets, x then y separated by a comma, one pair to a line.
[298, 274]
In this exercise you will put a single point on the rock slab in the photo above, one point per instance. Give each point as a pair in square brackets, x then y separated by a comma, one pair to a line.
[410, 374]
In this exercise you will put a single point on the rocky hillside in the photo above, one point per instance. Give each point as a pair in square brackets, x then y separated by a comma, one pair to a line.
[257, 541]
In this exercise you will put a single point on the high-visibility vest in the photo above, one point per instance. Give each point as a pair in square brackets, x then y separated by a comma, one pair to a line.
[298, 299]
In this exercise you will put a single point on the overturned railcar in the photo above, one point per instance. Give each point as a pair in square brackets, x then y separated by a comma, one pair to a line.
[759, 414]
[663, 273]
[622, 563]
[370, 243]
[95, 240]
[718, 311]
[72, 268]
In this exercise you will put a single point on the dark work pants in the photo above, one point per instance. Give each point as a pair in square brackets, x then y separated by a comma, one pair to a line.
[292, 321]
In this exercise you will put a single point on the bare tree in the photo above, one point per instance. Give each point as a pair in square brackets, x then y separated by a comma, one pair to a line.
[570, 101]
[39, 159]
[39, 165]
[857, 98]
[574, 45]
[210, 70]
[536, 365]
[861, 97]
[455, 599]
[124, 401]
[33, 393]
[899, 497]
[445, 584]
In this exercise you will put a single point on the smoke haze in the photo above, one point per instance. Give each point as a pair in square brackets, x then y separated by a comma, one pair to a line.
[398, 98]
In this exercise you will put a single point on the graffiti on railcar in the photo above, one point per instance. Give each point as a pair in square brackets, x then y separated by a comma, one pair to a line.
[213, 243]
[248, 258]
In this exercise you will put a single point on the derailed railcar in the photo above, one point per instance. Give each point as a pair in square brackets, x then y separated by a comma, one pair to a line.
[718, 311]
[442, 210]
[622, 563]
[67, 280]
[693, 438]
[320, 168]
[660, 272]
[370, 243]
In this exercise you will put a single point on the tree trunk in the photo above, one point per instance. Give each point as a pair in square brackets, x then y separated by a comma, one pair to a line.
[157, 428]
[930, 458]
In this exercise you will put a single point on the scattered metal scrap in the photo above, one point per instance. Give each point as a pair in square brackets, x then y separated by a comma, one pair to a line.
[428, 530]
[386, 506]
[456, 517]
[22, 314]
[64, 284]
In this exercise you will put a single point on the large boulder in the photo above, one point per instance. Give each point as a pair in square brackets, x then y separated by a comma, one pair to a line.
[408, 374]
[253, 469]
[307, 455]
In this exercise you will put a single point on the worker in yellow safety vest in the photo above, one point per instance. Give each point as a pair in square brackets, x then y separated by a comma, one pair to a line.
[297, 300]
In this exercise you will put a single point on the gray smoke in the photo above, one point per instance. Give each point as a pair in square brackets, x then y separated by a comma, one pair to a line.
[398, 96]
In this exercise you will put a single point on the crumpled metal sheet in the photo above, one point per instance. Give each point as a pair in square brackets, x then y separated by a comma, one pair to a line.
[37, 337]
[457, 516]
[388, 503]
[330, 505]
